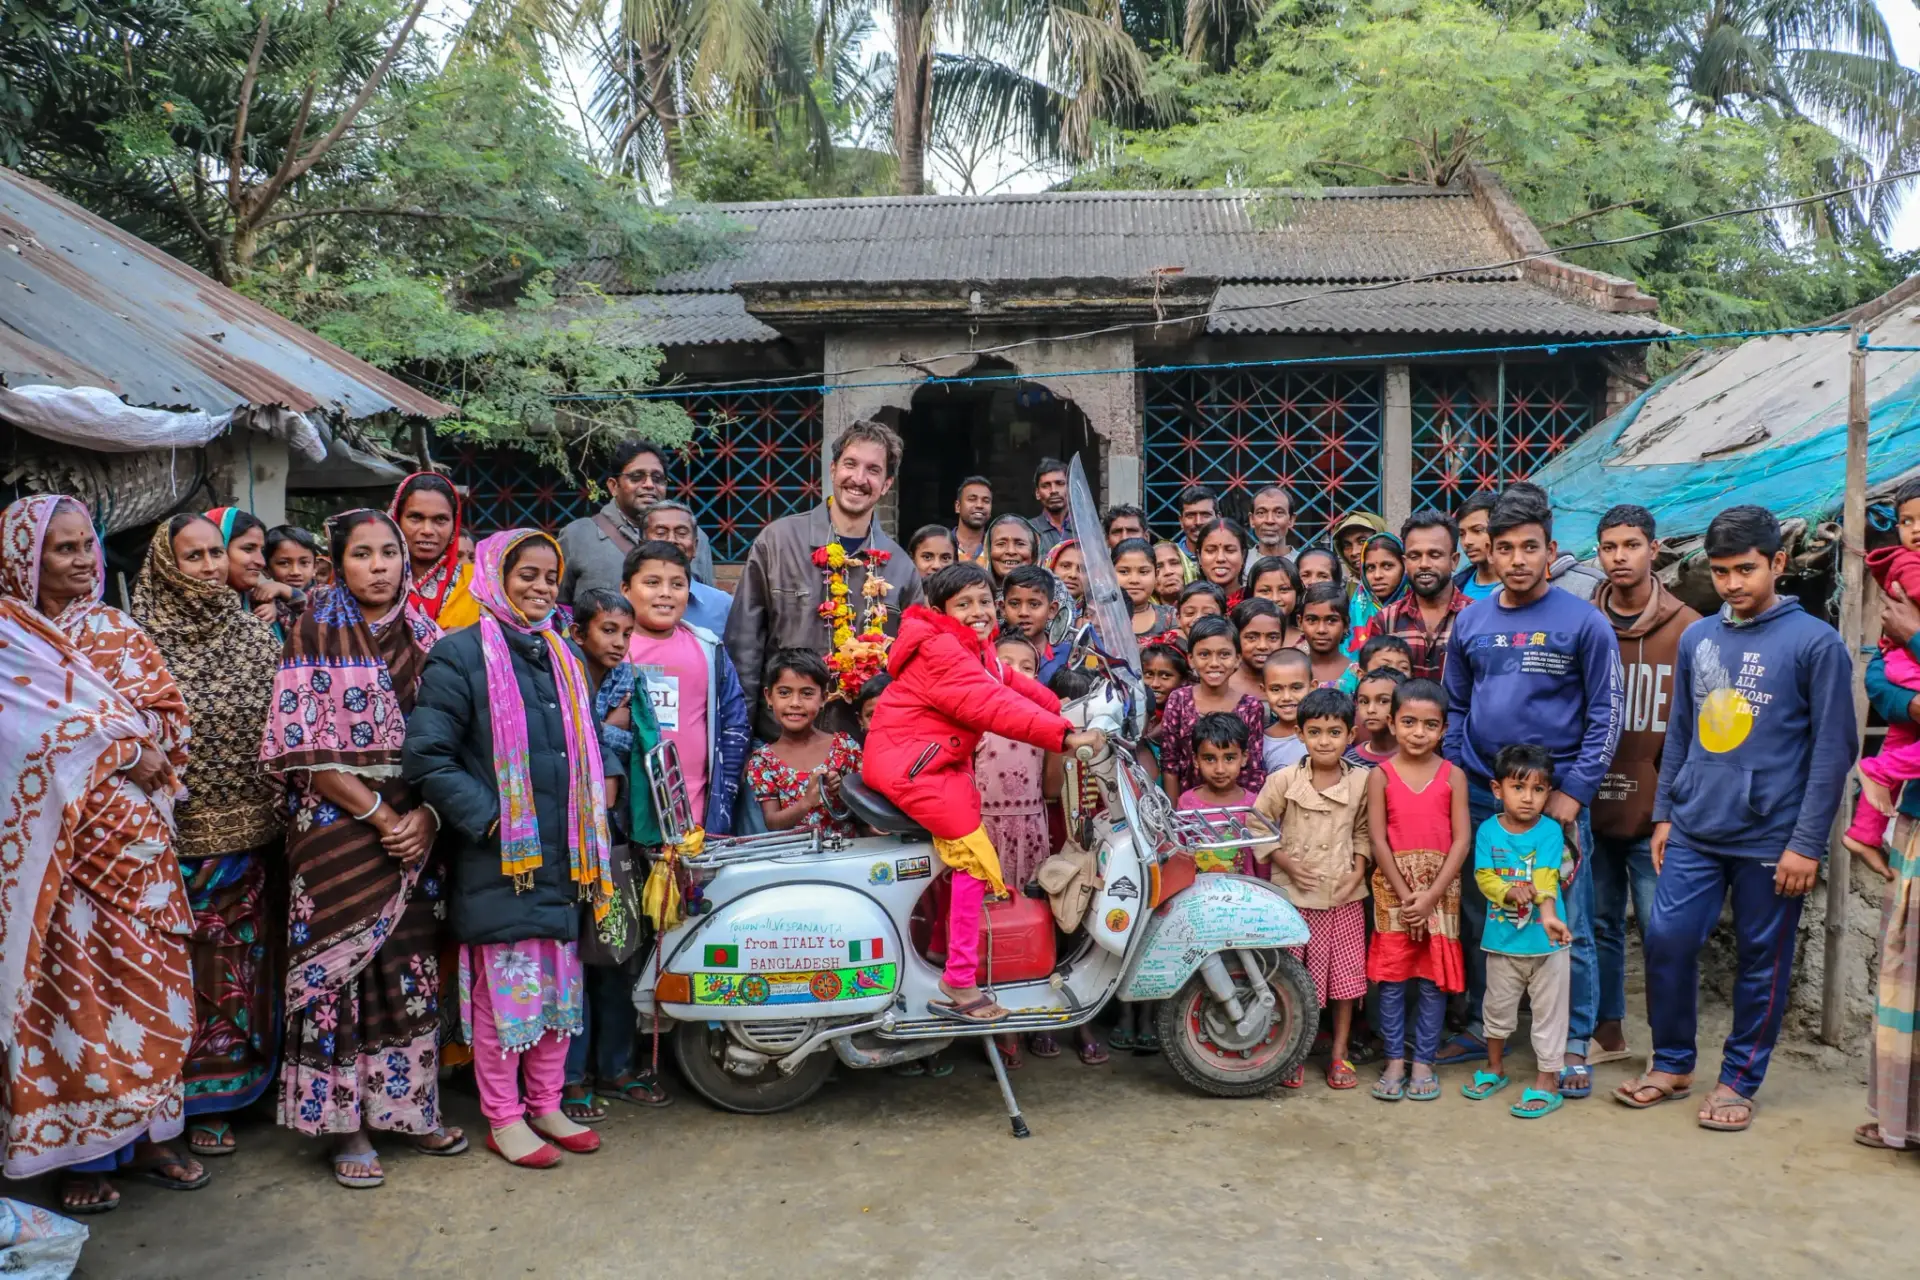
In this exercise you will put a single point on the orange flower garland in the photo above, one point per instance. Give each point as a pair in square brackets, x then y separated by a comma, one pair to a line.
[854, 658]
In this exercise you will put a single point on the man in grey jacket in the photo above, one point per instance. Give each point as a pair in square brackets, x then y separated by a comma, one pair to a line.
[596, 546]
[777, 604]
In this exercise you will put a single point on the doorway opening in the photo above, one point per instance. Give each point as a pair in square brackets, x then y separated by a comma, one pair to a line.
[1000, 430]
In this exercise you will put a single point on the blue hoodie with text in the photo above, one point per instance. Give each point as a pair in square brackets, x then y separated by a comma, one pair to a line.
[1761, 734]
[1546, 673]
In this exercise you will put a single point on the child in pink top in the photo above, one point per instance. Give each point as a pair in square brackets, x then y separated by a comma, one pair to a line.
[1220, 741]
[1012, 778]
[1898, 759]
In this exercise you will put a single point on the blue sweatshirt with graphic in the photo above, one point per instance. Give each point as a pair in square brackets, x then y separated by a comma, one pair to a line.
[1546, 673]
[1760, 737]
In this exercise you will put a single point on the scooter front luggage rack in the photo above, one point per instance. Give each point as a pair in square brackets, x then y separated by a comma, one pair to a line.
[764, 847]
[1236, 827]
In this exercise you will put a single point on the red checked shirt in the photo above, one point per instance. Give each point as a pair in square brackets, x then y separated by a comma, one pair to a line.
[1402, 618]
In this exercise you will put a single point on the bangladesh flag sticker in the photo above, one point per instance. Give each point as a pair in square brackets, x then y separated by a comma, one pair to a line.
[723, 957]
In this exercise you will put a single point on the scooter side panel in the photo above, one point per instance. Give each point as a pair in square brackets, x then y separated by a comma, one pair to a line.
[790, 951]
[1218, 913]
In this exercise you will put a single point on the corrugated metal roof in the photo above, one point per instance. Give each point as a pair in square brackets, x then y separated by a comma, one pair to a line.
[683, 320]
[83, 303]
[1339, 234]
[1492, 307]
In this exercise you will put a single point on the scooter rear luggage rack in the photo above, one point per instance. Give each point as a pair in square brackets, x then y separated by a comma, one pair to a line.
[1235, 827]
[760, 848]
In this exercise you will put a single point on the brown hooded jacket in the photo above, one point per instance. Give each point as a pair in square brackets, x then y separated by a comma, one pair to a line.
[1648, 646]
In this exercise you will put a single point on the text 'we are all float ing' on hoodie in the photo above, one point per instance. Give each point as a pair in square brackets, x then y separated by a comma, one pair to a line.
[1649, 646]
[1760, 737]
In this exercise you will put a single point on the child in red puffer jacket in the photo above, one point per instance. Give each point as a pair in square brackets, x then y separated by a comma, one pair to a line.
[948, 689]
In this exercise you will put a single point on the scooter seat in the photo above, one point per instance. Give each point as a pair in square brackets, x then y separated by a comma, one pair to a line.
[876, 811]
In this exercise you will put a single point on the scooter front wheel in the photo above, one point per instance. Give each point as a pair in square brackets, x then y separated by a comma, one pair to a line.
[701, 1051]
[1206, 1050]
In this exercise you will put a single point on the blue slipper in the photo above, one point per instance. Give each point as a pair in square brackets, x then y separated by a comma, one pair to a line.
[1485, 1084]
[1585, 1086]
[1469, 1049]
[1389, 1090]
[1553, 1100]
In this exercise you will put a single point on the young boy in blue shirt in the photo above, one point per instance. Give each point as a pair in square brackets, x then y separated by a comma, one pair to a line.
[1516, 864]
[1759, 742]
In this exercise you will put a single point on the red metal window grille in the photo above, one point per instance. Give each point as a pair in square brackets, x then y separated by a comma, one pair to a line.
[1482, 431]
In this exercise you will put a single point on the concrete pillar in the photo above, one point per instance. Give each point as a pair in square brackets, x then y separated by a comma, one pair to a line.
[1396, 447]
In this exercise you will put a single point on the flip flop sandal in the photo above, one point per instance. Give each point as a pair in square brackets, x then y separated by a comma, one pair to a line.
[583, 1110]
[1423, 1089]
[1295, 1079]
[1868, 1135]
[1340, 1075]
[1730, 1126]
[1475, 1050]
[1553, 1103]
[1484, 1085]
[968, 1012]
[456, 1147]
[1389, 1090]
[938, 1068]
[1012, 1061]
[1362, 1053]
[1043, 1045]
[1582, 1090]
[1147, 1042]
[152, 1173]
[1120, 1039]
[1627, 1094]
[644, 1090]
[216, 1148]
[1093, 1054]
[357, 1182]
[909, 1069]
[1610, 1055]
[108, 1205]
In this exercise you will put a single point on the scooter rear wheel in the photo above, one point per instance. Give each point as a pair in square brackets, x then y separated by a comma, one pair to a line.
[701, 1052]
[1190, 1022]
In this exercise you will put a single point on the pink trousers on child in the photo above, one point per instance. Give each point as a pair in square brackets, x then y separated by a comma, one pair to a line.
[963, 930]
[500, 1075]
[1897, 761]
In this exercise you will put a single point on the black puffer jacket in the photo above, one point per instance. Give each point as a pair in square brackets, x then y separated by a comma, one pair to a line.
[449, 757]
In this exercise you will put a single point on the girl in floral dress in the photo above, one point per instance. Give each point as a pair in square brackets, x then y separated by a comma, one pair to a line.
[796, 778]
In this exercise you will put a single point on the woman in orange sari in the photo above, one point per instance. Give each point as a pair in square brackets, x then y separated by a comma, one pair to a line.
[94, 983]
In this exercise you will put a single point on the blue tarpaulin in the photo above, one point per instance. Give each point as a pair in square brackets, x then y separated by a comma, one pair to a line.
[1762, 423]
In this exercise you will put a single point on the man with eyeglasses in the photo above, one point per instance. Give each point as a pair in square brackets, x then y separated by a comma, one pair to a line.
[596, 546]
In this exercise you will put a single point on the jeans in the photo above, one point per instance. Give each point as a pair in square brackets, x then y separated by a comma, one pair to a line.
[1622, 866]
[607, 1006]
[1430, 1016]
[1576, 908]
[1686, 906]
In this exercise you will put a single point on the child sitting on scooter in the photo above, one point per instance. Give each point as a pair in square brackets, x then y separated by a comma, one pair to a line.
[796, 777]
[948, 689]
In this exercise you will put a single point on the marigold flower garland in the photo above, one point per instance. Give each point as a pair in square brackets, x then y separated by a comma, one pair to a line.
[854, 658]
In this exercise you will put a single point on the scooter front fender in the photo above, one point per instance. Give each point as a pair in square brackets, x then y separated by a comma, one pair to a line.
[1219, 913]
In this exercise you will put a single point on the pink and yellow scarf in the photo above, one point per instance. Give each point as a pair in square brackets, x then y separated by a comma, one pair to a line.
[588, 844]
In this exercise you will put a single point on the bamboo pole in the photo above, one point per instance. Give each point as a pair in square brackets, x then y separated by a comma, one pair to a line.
[1853, 629]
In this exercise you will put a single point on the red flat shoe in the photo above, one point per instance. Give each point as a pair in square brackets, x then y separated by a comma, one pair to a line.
[580, 1144]
[545, 1157]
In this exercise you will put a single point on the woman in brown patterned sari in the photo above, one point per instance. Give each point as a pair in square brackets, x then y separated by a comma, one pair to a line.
[364, 910]
[93, 917]
[223, 658]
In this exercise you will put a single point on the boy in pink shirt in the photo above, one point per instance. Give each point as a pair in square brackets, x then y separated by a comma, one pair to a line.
[690, 682]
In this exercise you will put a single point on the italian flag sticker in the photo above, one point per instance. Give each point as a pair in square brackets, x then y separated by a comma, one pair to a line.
[723, 957]
[862, 952]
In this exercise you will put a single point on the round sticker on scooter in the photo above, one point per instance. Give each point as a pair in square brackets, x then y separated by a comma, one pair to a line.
[1117, 920]
[880, 873]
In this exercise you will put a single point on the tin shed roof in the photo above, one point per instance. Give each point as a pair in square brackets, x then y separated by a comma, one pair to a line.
[83, 303]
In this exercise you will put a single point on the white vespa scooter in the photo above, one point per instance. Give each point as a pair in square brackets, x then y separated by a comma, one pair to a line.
[801, 953]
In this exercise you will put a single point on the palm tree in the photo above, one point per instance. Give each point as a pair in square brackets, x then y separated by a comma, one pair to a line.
[1828, 61]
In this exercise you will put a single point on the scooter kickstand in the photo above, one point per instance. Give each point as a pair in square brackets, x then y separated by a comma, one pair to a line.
[1020, 1129]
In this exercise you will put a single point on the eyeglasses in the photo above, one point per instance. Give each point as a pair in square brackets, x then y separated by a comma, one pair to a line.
[642, 477]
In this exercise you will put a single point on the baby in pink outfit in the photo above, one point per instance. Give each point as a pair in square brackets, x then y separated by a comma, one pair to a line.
[1898, 760]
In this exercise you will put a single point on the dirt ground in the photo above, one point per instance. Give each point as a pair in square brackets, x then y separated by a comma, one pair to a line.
[1126, 1174]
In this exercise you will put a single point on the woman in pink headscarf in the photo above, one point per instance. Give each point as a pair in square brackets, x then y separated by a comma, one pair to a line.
[93, 914]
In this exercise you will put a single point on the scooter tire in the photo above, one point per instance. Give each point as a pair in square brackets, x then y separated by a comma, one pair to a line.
[1244, 1074]
[698, 1050]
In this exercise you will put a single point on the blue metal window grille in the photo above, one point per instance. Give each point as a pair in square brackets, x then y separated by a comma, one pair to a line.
[1473, 434]
[1315, 432]
[755, 459]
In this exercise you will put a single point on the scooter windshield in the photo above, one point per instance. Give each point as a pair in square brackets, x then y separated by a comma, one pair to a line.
[1108, 608]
